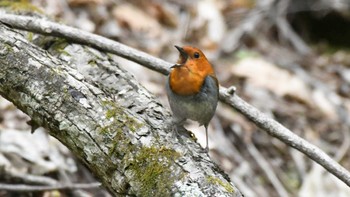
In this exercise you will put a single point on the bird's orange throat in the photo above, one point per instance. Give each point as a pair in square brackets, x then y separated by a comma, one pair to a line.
[185, 82]
[188, 75]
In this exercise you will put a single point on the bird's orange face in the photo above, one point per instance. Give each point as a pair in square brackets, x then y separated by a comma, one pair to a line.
[188, 74]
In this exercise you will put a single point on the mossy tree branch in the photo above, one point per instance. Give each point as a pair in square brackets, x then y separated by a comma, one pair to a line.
[105, 118]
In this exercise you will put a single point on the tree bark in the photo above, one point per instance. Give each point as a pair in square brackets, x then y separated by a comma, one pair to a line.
[108, 120]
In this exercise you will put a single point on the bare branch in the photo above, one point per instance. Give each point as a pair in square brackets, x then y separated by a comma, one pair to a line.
[46, 27]
[37, 188]
[266, 167]
[28, 178]
[277, 130]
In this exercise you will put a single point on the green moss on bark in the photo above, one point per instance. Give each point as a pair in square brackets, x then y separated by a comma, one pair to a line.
[119, 118]
[152, 169]
[22, 5]
[214, 180]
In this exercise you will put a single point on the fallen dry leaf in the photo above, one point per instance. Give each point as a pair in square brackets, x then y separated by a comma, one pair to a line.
[211, 17]
[266, 75]
[318, 183]
[137, 20]
[36, 153]
[323, 103]
[84, 2]
[163, 14]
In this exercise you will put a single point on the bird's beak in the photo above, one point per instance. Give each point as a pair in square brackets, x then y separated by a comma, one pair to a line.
[183, 57]
[182, 52]
[176, 65]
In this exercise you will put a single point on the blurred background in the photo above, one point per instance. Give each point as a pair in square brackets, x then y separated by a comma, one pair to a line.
[290, 59]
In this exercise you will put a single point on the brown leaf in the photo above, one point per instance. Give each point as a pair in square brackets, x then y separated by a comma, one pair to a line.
[137, 20]
[266, 75]
[84, 2]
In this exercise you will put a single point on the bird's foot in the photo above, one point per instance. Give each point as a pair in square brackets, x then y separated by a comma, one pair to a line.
[205, 150]
[175, 129]
[181, 130]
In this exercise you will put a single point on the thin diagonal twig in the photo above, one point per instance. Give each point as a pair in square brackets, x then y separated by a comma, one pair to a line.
[32, 188]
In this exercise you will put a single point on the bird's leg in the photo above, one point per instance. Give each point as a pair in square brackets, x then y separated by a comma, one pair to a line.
[177, 129]
[177, 126]
[206, 149]
[206, 139]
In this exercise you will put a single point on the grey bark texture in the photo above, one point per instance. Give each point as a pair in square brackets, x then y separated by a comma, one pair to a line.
[101, 113]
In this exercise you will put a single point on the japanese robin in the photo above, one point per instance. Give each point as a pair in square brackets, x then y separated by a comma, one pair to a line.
[192, 89]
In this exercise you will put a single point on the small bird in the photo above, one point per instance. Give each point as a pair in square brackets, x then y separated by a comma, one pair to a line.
[192, 89]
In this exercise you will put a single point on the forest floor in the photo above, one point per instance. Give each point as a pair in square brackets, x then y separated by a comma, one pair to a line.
[289, 60]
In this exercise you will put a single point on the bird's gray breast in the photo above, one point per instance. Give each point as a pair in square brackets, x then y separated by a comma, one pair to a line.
[199, 107]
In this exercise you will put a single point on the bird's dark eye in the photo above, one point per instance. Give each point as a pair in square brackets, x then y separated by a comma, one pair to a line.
[196, 55]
